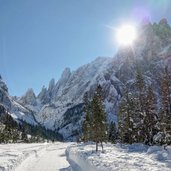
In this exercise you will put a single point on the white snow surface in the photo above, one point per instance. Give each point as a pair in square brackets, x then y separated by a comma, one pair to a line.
[34, 157]
[118, 157]
[82, 157]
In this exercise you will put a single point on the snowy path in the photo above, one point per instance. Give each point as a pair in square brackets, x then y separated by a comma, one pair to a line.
[34, 157]
[51, 158]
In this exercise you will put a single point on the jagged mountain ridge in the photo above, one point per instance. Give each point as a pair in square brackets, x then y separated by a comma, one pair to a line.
[17, 119]
[16, 110]
[59, 107]
[65, 97]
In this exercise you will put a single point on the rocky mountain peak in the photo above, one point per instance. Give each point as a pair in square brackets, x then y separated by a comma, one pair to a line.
[51, 84]
[43, 96]
[66, 73]
[64, 78]
[29, 98]
[42, 92]
[15, 109]
[3, 86]
[4, 97]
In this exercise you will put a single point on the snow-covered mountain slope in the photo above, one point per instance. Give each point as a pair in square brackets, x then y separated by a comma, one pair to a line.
[60, 105]
[16, 110]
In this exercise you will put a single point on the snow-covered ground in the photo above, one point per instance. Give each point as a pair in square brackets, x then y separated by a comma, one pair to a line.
[82, 157]
[136, 157]
[34, 157]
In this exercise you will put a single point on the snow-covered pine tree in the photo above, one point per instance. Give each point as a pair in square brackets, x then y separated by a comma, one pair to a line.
[127, 125]
[112, 132]
[24, 136]
[99, 124]
[165, 112]
[11, 133]
[15, 135]
[138, 115]
[87, 123]
[140, 108]
[151, 116]
[1, 134]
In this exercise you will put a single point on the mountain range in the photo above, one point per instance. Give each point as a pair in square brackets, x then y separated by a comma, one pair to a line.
[59, 107]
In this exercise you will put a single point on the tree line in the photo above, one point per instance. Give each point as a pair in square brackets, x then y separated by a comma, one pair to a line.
[144, 116]
[13, 132]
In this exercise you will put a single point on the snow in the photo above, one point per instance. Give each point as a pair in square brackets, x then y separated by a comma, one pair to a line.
[34, 157]
[82, 157]
[118, 157]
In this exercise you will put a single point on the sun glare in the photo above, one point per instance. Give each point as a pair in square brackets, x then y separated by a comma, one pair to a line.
[126, 35]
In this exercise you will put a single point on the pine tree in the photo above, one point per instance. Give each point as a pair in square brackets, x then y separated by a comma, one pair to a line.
[24, 136]
[11, 132]
[127, 125]
[165, 112]
[151, 116]
[99, 125]
[15, 135]
[140, 108]
[141, 88]
[87, 123]
[138, 114]
[112, 132]
[2, 138]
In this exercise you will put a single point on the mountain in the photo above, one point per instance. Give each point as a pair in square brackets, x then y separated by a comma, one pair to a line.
[17, 121]
[16, 110]
[60, 106]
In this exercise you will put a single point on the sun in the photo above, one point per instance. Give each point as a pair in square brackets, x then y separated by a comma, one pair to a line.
[126, 35]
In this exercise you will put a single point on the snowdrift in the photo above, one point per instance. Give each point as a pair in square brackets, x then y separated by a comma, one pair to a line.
[118, 157]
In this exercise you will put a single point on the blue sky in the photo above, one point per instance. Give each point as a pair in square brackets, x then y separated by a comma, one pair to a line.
[39, 38]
